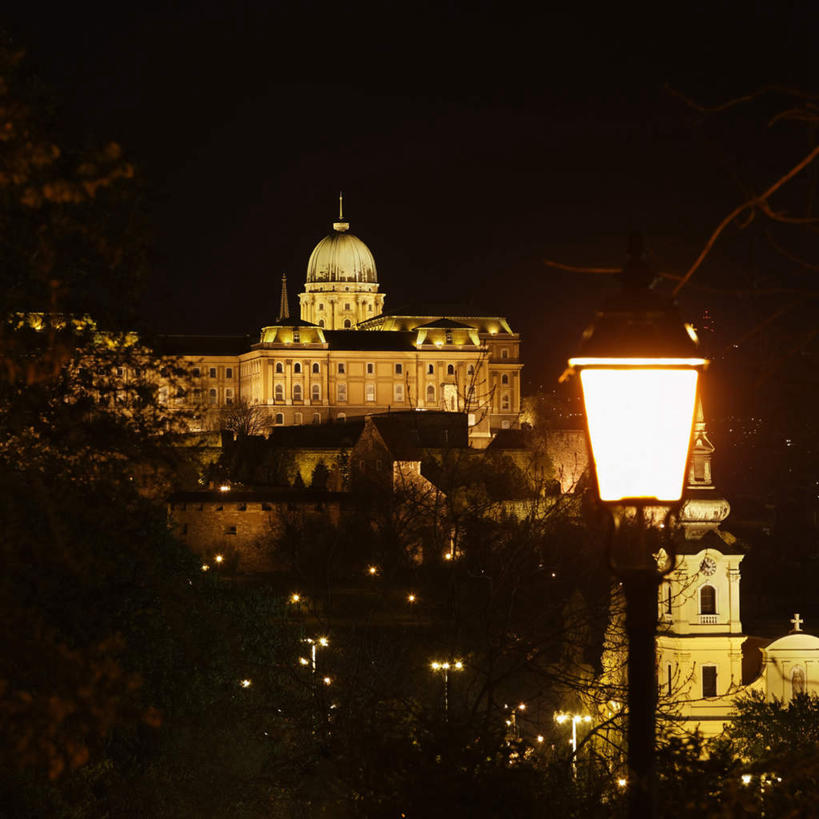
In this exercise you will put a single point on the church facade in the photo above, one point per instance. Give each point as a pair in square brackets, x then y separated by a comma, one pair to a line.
[346, 355]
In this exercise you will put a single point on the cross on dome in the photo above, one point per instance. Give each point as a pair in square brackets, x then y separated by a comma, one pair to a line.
[797, 622]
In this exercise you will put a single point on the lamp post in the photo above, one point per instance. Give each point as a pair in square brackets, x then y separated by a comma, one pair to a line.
[639, 367]
[445, 668]
[560, 718]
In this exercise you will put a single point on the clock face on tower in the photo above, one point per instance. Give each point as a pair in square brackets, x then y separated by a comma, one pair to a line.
[708, 566]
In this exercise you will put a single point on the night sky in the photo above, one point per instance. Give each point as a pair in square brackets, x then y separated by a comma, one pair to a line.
[471, 141]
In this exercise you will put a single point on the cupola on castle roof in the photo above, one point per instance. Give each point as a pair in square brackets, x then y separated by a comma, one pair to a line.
[341, 256]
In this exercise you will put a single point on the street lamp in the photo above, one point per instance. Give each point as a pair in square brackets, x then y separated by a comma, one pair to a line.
[444, 668]
[562, 717]
[315, 644]
[639, 367]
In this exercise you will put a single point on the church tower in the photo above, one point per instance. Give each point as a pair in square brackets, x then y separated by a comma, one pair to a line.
[699, 637]
[342, 285]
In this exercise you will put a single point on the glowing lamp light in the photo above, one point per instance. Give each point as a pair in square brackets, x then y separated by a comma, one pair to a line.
[326, 680]
[410, 598]
[639, 369]
[372, 570]
[640, 413]
[295, 597]
[219, 558]
[245, 683]
[540, 737]
[622, 782]
[224, 487]
[205, 567]
[304, 661]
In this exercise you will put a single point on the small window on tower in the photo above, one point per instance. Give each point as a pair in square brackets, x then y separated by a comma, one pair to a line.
[504, 379]
[297, 367]
[708, 600]
[399, 369]
[296, 338]
[450, 369]
[347, 324]
[228, 372]
[430, 369]
[321, 307]
[370, 368]
[346, 306]
[709, 681]
[316, 367]
[340, 368]
[279, 367]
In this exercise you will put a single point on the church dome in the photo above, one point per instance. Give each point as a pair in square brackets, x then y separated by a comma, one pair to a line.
[795, 641]
[341, 257]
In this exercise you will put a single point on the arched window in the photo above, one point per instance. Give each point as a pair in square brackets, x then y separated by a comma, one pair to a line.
[347, 324]
[297, 367]
[321, 322]
[316, 367]
[708, 600]
[505, 379]
[297, 395]
[341, 417]
[279, 420]
[316, 418]
[430, 394]
[450, 369]
[315, 392]
[430, 369]
[279, 367]
[298, 418]
[279, 392]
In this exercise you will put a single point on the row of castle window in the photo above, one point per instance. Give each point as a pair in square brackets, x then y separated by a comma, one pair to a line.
[298, 418]
[347, 307]
[213, 396]
[341, 392]
[399, 369]
[212, 373]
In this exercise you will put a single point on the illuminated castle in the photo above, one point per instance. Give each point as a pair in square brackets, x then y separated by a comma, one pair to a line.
[346, 356]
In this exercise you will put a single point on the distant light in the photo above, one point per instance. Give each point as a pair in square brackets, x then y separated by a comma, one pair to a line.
[692, 333]
[205, 567]
[225, 487]
[459, 665]
[746, 779]
[245, 683]
[540, 737]
[218, 558]
[447, 555]
[295, 597]
[522, 706]
[372, 570]
[327, 681]
[554, 574]
[323, 641]
[622, 782]
[410, 598]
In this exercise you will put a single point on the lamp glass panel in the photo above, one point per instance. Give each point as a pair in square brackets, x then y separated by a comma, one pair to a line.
[640, 429]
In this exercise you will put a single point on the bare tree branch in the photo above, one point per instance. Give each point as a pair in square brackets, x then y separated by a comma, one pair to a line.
[756, 201]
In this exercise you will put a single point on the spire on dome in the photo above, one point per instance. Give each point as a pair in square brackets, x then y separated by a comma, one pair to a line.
[342, 224]
[284, 307]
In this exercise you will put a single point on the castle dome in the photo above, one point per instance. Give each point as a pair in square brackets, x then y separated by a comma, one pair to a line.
[341, 257]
